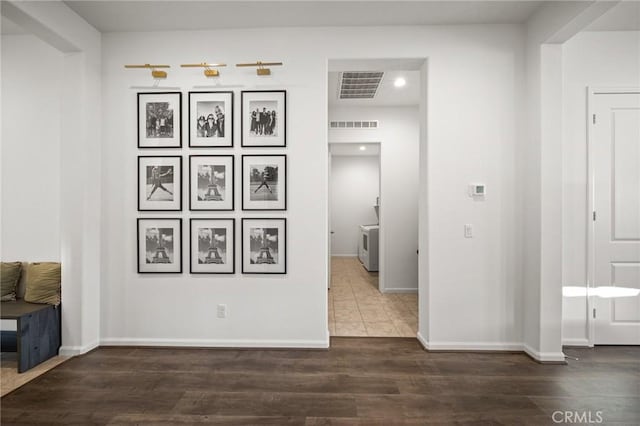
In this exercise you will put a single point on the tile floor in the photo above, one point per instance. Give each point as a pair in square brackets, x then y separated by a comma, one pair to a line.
[357, 308]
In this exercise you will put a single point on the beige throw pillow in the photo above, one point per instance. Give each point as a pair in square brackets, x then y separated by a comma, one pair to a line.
[43, 283]
[9, 277]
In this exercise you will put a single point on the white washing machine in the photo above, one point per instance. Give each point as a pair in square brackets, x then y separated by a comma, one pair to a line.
[368, 247]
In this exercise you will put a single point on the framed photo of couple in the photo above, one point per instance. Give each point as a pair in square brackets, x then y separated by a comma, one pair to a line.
[263, 118]
[210, 119]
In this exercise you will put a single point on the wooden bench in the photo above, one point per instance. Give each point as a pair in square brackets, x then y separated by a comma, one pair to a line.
[37, 334]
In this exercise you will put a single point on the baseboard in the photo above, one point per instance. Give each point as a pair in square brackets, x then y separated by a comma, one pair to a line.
[422, 341]
[344, 255]
[217, 343]
[77, 350]
[544, 357]
[473, 346]
[579, 343]
[399, 290]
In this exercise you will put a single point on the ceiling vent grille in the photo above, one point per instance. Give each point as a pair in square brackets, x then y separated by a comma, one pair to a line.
[359, 85]
[370, 124]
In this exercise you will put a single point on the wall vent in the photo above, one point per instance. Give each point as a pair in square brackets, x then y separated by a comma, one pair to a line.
[369, 124]
[359, 85]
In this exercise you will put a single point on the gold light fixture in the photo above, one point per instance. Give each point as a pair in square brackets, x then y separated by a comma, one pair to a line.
[209, 69]
[261, 66]
[155, 73]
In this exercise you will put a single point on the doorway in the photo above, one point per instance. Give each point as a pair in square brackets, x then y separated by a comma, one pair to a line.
[614, 292]
[374, 138]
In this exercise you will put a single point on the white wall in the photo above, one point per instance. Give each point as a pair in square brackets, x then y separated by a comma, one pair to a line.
[31, 104]
[591, 59]
[398, 134]
[355, 185]
[474, 76]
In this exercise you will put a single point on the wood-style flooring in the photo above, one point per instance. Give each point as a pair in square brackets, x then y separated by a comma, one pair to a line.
[363, 381]
[357, 308]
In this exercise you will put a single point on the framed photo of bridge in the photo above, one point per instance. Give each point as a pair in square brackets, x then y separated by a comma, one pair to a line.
[159, 246]
[211, 179]
[264, 246]
[212, 246]
[264, 182]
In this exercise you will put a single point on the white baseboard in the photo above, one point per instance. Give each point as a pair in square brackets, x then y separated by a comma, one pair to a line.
[544, 356]
[217, 343]
[422, 341]
[399, 290]
[582, 343]
[474, 346]
[344, 255]
[77, 350]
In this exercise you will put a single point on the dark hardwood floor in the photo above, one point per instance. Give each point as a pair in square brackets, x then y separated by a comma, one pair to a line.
[363, 381]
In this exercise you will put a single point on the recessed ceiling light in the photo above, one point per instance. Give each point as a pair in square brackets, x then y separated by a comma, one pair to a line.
[362, 148]
[400, 82]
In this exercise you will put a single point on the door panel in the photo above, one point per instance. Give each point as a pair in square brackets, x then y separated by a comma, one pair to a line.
[616, 159]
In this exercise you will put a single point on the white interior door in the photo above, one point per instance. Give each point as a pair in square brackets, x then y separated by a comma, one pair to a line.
[615, 154]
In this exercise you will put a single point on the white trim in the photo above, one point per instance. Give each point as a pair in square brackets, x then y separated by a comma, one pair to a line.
[400, 290]
[344, 255]
[582, 343]
[544, 356]
[217, 343]
[77, 350]
[474, 346]
[422, 341]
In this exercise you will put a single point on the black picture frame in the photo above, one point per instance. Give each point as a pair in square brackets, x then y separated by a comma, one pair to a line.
[277, 140]
[280, 204]
[231, 252]
[229, 183]
[177, 243]
[146, 142]
[282, 267]
[152, 205]
[227, 97]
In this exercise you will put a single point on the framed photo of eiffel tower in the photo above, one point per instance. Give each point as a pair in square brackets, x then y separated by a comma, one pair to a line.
[212, 246]
[264, 246]
[159, 246]
[211, 179]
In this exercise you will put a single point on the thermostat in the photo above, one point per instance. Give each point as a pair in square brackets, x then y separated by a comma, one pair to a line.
[477, 190]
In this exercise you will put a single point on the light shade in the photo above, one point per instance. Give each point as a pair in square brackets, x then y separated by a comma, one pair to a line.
[400, 82]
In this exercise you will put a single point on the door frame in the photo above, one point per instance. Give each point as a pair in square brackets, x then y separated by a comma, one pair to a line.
[592, 92]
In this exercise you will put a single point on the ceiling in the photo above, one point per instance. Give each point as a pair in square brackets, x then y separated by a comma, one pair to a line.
[387, 95]
[622, 17]
[125, 16]
[10, 28]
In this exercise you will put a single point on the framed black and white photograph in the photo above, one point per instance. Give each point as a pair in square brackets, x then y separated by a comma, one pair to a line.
[159, 120]
[211, 119]
[264, 118]
[160, 183]
[159, 246]
[264, 246]
[264, 182]
[211, 182]
[212, 246]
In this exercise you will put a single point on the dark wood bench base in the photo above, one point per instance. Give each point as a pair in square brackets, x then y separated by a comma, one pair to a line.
[38, 336]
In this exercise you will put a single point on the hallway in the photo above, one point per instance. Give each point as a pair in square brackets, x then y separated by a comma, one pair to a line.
[357, 308]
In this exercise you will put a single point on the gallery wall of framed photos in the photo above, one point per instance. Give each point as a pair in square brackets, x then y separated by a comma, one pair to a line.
[187, 192]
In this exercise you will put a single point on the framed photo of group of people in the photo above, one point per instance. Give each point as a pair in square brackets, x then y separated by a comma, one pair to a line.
[211, 182]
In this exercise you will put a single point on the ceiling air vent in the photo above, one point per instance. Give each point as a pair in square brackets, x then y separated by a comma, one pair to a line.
[372, 124]
[359, 85]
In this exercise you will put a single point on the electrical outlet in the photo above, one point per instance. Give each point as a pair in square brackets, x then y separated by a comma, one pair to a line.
[222, 311]
[468, 231]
